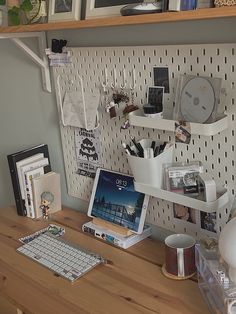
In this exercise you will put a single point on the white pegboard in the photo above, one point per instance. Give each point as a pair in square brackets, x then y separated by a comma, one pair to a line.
[217, 152]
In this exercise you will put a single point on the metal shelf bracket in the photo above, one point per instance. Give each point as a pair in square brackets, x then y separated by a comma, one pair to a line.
[40, 59]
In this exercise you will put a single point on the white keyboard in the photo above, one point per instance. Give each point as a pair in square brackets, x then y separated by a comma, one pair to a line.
[61, 257]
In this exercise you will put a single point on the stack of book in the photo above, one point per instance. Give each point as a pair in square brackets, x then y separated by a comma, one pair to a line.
[36, 188]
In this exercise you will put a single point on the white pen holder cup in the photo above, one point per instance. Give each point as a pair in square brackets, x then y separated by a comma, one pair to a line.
[150, 170]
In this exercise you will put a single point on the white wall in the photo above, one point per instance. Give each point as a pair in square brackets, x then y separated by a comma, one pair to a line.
[28, 117]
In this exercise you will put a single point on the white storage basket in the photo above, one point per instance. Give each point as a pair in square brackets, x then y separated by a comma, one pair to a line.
[150, 170]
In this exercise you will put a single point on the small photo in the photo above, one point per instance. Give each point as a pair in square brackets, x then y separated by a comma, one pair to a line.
[62, 6]
[184, 213]
[182, 132]
[208, 221]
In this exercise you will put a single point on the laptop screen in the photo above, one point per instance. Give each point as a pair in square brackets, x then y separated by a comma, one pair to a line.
[114, 200]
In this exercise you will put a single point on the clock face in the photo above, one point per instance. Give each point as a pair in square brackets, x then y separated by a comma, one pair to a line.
[197, 100]
[121, 183]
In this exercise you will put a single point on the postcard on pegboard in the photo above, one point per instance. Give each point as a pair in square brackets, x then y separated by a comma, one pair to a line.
[88, 151]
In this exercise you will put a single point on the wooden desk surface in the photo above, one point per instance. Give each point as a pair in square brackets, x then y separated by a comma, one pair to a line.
[131, 282]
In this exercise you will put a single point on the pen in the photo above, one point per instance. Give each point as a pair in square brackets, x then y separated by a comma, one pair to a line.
[138, 147]
[148, 153]
[162, 147]
[128, 150]
[156, 151]
[153, 145]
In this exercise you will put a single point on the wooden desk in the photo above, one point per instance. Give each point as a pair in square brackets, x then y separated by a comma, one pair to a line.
[131, 282]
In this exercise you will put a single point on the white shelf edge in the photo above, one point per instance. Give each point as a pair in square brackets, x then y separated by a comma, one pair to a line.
[210, 207]
[136, 118]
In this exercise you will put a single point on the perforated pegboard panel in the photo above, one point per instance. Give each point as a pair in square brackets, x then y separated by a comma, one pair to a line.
[217, 152]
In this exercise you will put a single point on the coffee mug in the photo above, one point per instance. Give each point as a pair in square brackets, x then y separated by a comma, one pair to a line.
[180, 255]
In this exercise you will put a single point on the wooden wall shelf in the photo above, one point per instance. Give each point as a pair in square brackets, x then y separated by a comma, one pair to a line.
[201, 14]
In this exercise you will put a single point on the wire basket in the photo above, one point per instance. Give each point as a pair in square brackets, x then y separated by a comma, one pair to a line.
[221, 3]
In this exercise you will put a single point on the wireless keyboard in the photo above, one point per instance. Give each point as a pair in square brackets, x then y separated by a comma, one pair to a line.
[61, 257]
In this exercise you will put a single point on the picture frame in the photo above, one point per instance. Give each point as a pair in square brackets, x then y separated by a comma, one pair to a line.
[106, 8]
[209, 222]
[67, 10]
[155, 95]
[184, 214]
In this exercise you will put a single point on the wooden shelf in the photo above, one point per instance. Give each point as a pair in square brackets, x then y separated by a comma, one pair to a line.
[200, 14]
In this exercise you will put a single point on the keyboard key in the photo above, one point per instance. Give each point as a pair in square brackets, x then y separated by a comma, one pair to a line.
[61, 257]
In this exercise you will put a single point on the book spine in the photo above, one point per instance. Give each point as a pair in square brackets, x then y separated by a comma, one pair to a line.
[29, 191]
[174, 5]
[20, 204]
[27, 183]
[188, 5]
[165, 5]
[36, 164]
[18, 167]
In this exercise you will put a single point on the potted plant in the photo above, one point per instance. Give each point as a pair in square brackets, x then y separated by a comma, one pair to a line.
[18, 14]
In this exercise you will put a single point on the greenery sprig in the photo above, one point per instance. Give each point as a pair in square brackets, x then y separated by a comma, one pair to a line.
[14, 13]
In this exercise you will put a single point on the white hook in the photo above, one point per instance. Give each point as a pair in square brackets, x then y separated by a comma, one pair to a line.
[104, 84]
[133, 85]
[124, 79]
[113, 85]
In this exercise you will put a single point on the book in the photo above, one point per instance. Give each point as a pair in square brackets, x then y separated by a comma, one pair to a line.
[24, 162]
[40, 163]
[165, 4]
[205, 4]
[46, 194]
[43, 162]
[29, 175]
[12, 160]
[188, 5]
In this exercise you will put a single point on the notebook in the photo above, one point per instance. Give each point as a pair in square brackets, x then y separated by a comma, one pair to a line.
[46, 194]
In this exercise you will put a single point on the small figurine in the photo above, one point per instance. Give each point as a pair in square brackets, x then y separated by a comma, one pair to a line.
[46, 199]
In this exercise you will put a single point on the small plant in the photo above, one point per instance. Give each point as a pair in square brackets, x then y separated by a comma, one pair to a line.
[2, 2]
[15, 13]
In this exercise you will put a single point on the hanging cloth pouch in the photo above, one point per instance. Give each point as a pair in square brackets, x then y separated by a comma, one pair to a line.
[79, 109]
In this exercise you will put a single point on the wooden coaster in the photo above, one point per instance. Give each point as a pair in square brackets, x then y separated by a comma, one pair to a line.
[170, 276]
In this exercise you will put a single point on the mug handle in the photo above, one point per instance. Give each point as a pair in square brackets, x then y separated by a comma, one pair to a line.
[230, 307]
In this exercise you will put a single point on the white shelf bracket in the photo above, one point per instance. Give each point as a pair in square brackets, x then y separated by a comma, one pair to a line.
[40, 59]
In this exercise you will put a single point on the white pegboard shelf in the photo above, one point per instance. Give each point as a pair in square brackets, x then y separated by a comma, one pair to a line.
[217, 153]
[137, 118]
[208, 207]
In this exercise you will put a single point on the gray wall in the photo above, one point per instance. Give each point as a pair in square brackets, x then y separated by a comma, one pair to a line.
[28, 115]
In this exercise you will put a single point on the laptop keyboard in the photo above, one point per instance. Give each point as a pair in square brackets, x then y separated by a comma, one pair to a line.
[60, 256]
